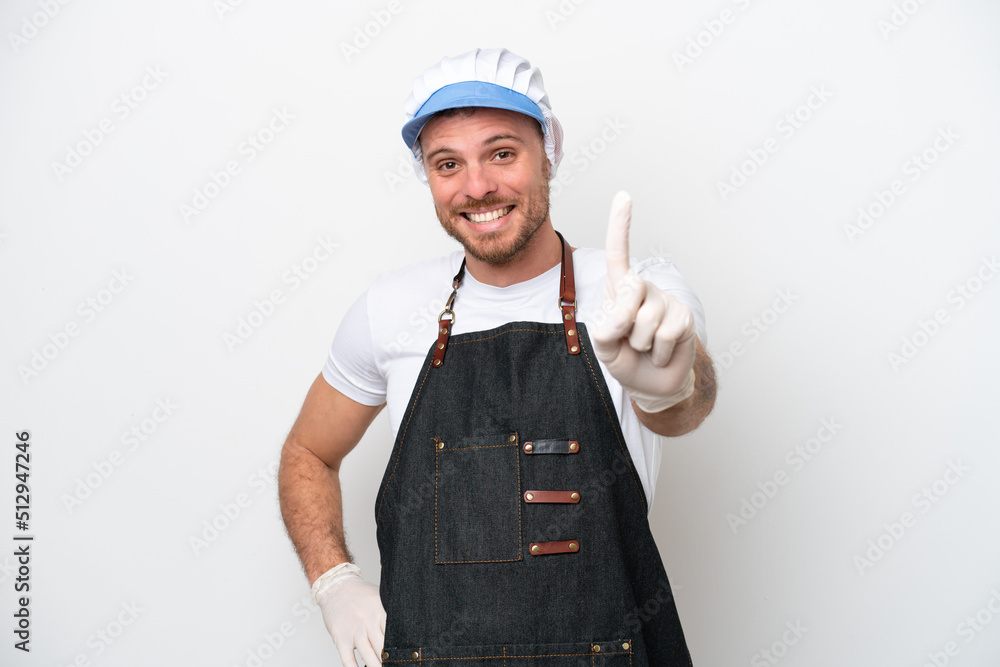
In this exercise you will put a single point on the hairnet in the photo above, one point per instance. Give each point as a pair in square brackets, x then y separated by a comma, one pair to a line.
[481, 78]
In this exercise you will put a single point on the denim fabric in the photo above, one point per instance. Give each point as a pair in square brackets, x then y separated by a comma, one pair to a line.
[459, 583]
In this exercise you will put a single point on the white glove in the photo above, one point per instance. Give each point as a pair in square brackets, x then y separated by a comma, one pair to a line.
[647, 337]
[353, 613]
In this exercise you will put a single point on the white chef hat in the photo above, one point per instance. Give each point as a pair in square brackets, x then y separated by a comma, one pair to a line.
[481, 78]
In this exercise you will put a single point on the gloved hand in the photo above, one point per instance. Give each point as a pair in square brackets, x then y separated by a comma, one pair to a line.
[647, 336]
[353, 613]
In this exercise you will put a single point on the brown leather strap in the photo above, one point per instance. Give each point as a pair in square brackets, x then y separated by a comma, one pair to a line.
[551, 447]
[567, 304]
[562, 547]
[444, 325]
[567, 298]
[551, 496]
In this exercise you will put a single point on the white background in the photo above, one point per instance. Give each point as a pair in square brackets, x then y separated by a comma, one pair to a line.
[820, 551]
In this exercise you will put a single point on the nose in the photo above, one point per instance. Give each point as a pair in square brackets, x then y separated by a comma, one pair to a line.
[479, 182]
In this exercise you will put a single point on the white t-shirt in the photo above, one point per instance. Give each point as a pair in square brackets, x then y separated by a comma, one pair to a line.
[379, 349]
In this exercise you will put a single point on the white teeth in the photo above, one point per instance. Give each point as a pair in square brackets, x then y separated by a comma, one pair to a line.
[490, 216]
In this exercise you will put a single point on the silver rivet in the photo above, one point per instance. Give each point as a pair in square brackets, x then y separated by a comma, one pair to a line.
[529, 496]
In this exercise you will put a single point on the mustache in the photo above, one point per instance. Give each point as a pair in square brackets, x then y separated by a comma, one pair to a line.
[488, 203]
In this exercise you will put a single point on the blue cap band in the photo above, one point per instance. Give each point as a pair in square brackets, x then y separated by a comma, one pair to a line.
[470, 94]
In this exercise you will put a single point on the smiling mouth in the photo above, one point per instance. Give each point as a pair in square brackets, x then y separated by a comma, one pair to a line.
[489, 216]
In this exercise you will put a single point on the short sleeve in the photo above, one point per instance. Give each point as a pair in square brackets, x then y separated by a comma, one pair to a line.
[350, 367]
[662, 273]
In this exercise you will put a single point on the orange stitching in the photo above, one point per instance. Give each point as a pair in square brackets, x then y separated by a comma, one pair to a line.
[628, 457]
[502, 560]
[453, 449]
[502, 333]
[416, 398]
[504, 657]
[436, 450]
[517, 467]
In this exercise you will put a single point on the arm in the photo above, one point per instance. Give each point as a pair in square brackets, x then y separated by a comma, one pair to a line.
[687, 415]
[329, 426]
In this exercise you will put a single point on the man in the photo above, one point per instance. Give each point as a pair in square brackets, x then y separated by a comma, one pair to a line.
[512, 515]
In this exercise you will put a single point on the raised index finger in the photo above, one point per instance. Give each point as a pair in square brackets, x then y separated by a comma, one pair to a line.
[616, 245]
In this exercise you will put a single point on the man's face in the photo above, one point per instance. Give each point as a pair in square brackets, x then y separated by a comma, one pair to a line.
[488, 175]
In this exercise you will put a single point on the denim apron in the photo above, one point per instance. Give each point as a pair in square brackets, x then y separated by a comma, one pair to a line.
[511, 522]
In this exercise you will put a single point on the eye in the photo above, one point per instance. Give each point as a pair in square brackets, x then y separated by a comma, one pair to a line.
[504, 154]
[447, 165]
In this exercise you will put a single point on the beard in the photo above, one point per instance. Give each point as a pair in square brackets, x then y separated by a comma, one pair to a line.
[493, 247]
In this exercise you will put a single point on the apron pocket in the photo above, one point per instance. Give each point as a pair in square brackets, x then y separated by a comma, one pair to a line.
[616, 653]
[477, 499]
